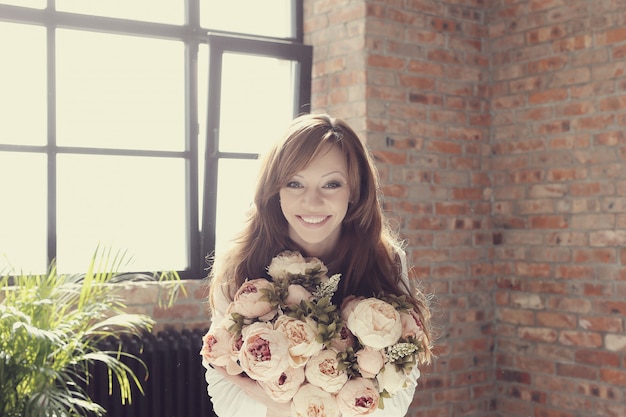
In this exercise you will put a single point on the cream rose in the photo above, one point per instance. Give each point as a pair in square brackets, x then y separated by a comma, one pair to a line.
[283, 388]
[375, 323]
[322, 370]
[370, 361]
[392, 379]
[229, 346]
[301, 336]
[348, 305]
[250, 302]
[295, 294]
[312, 401]
[293, 263]
[216, 347]
[264, 353]
[358, 397]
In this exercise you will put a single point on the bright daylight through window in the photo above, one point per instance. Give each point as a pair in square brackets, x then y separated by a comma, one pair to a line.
[137, 126]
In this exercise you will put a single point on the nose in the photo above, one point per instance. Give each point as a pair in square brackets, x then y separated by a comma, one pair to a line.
[312, 197]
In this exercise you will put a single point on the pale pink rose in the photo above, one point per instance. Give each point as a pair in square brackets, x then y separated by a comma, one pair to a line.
[358, 397]
[411, 325]
[295, 294]
[293, 263]
[264, 353]
[343, 340]
[233, 367]
[229, 345]
[392, 379]
[283, 388]
[322, 370]
[249, 300]
[312, 401]
[347, 306]
[216, 346]
[375, 323]
[301, 336]
[370, 361]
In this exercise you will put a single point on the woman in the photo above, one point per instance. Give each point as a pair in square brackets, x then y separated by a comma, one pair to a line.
[317, 194]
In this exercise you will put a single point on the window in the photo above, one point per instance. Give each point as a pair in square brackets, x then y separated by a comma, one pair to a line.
[138, 125]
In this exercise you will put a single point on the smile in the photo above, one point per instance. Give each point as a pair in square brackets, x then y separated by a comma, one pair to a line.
[313, 219]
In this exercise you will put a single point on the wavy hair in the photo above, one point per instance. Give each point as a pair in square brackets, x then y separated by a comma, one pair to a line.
[368, 252]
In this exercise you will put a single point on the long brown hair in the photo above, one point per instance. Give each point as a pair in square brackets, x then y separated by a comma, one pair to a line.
[367, 255]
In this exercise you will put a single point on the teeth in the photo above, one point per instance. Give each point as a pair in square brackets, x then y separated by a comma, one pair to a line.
[317, 219]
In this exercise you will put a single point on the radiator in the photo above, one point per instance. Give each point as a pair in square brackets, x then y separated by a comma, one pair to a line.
[174, 385]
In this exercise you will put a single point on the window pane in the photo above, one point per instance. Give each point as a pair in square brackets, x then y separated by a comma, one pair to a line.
[36, 4]
[23, 212]
[267, 18]
[123, 203]
[119, 91]
[161, 11]
[23, 84]
[256, 105]
[235, 194]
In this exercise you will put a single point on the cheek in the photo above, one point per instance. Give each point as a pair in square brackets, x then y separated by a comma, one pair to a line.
[285, 201]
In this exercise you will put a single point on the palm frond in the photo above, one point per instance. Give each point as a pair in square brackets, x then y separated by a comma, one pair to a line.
[51, 327]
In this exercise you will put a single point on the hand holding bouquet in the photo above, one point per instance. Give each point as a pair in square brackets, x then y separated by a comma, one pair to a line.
[300, 348]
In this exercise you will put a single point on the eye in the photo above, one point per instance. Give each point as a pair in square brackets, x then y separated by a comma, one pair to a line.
[293, 184]
[332, 185]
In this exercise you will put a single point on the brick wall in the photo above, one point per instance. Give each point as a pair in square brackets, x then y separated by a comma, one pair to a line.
[558, 169]
[189, 311]
[498, 128]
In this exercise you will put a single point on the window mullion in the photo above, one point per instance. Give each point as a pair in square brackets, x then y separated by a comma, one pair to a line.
[192, 175]
[51, 146]
[209, 207]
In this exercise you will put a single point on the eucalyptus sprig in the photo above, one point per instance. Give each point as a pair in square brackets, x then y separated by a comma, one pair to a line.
[399, 302]
[310, 279]
[273, 294]
[347, 362]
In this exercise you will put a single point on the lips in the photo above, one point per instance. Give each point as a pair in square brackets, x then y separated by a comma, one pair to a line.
[313, 219]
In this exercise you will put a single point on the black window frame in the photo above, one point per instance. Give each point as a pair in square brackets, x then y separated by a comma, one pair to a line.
[200, 242]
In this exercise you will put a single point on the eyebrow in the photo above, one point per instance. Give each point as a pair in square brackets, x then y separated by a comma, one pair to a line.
[325, 175]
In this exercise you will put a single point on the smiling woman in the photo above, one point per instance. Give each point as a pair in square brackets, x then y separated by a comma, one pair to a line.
[315, 202]
[316, 199]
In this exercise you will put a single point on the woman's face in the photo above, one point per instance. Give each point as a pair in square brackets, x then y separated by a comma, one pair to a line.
[315, 201]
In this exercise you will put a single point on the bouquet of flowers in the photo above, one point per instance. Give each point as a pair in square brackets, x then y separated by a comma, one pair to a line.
[287, 335]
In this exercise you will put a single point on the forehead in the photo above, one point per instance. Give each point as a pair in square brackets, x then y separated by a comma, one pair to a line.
[329, 157]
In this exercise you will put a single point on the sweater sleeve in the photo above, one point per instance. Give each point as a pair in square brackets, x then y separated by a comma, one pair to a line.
[228, 399]
[398, 405]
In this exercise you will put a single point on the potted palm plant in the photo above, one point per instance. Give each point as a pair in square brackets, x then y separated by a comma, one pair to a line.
[51, 326]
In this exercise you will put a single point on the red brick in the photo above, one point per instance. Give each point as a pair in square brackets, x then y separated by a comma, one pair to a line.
[556, 320]
[613, 376]
[580, 339]
[594, 255]
[577, 371]
[597, 357]
[611, 36]
[548, 96]
[536, 334]
[575, 272]
[548, 222]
